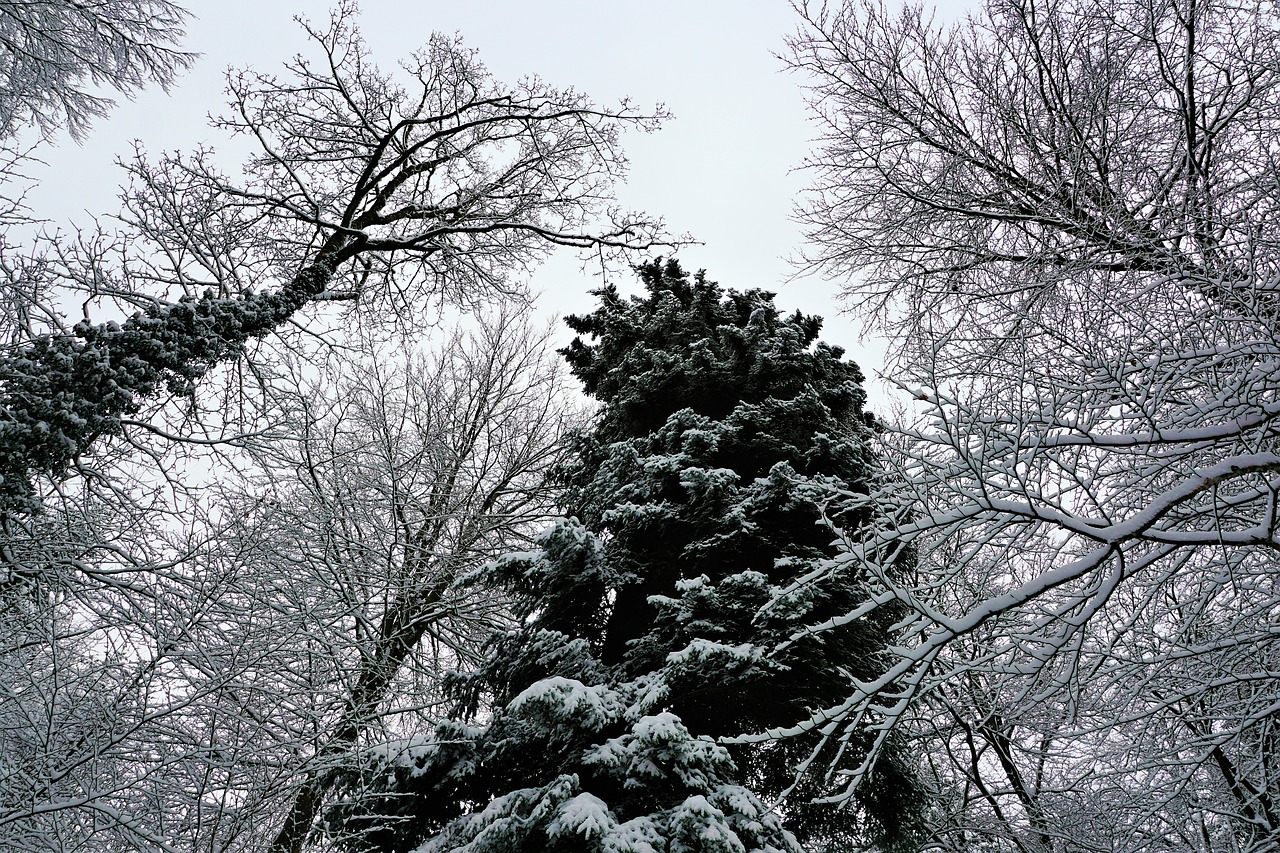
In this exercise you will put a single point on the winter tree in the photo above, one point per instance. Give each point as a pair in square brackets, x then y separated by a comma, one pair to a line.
[1063, 214]
[56, 58]
[300, 610]
[234, 499]
[592, 723]
[53, 55]
[380, 194]
[402, 480]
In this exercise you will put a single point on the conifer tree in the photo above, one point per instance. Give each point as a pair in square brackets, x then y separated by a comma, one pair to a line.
[642, 635]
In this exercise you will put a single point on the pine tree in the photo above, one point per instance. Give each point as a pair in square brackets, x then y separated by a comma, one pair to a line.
[641, 633]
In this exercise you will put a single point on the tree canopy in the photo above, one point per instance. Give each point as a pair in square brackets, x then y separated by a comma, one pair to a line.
[235, 497]
[1062, 211]
[54, 55]
[365, 191]
[641, 633]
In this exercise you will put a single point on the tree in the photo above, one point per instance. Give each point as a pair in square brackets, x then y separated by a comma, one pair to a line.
[302, 614]
[195, 486]
[1063, 213]
[365, 191]
[640, 637]
[53, 54]
[430, 470]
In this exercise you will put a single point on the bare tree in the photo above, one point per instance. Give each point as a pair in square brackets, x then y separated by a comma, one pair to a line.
[1063, 214]
[305, 610]
[56, 57]
[426, 472]
[54, 53]
[385, 196]
[251, 575]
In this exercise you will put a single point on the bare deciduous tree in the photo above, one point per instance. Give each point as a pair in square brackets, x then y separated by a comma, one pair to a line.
[300, 609]
[388, 197]
[1063, 214]
[414, 477]
[53, 54]
[252, 573]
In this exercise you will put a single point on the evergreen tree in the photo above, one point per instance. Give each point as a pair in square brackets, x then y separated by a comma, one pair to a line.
[640, 635]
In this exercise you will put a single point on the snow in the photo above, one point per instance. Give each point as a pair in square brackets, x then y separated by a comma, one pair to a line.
[594, 706]
[741, 800]
[698, 818]
[649, 690]
[638, 835]
[708, 478]
[663, 726]
[586, 815]
[700, 649]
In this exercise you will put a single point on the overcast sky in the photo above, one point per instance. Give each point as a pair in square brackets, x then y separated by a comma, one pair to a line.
[723, 169]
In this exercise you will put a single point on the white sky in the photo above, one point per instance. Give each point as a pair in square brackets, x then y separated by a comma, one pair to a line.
[722, 169]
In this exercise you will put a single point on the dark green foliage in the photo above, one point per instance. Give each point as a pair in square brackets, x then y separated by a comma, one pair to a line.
[59, 394]
[645, 629]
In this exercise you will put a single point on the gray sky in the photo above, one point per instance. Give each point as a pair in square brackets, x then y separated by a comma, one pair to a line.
[722, 169]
